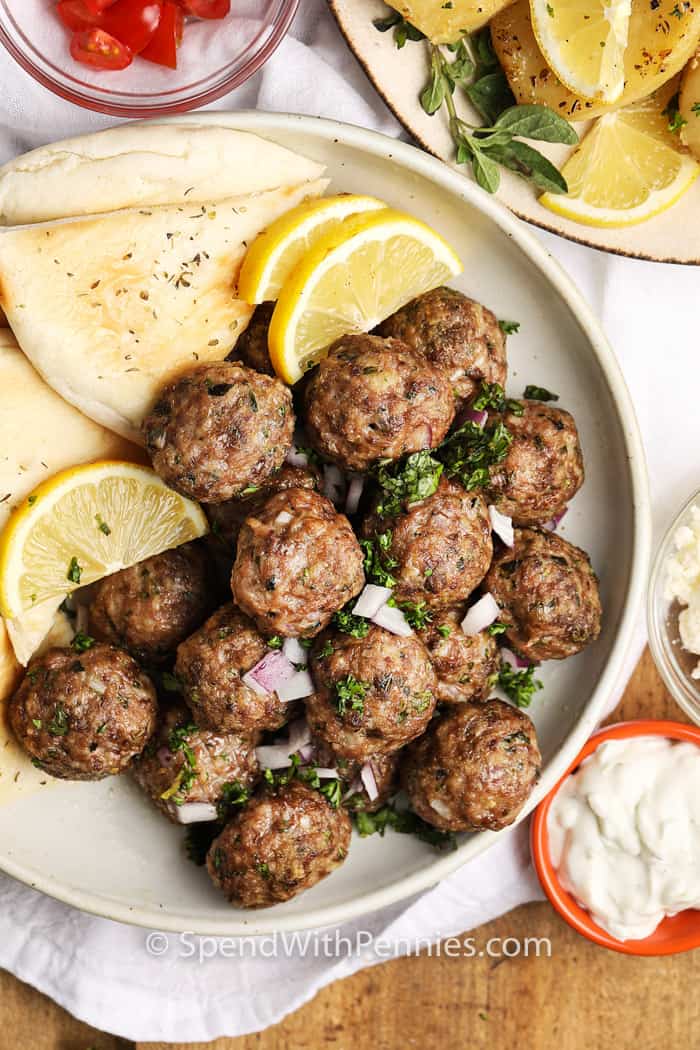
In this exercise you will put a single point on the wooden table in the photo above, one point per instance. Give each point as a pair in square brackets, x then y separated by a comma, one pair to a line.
[581, 997]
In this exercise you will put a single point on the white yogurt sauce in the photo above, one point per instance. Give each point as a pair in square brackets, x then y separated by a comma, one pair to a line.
[624, 833]
[683, 582]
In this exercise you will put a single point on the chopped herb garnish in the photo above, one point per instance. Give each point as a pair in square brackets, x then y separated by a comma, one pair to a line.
[74, 571]
[519, 686]
[378, 560]
[325, 650]
[170, 682]
[408, 482]
[539, 393]
[233, 794]
[497, 628]
[445, 630]
[59, 724]
[349, 693]
[404, 822]
[102, 525]
[276, 642]
[82, 642]
[403, 30]
[179, 741]
[470, 451]
[417, 613]
[346, 622]
[509, 327]
[493, 396]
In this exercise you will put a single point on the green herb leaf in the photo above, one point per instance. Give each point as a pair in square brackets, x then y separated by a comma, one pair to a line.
[233, 794]
[356, 626]
[378, 561]
[349, 694]
[433, 94]
[539, 393]
[530, 164]
[275, 642]
[519, 686]
[410, 481]
[486, 170]
[405, 823]
[491, 94]
[82, 642]
[509, 327]
[470, 451]
[536, 122]
[497, 628]
[59, 724]
[74, 571]
[418, 614]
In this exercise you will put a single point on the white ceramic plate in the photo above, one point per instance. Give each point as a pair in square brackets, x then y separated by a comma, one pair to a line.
[104, 848]
[399, 77]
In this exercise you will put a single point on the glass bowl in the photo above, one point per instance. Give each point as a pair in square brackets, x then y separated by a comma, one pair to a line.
[675, 664]
[215, 57]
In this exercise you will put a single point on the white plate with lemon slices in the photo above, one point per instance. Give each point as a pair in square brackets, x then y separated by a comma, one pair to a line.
[103, 847]
[633, 183]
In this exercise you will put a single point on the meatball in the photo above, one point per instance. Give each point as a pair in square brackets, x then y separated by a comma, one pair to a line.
[184, 764]
[251, 346]
[298, 562]
[474, 769]
[219, 429]
[543, 468]
[457, 334]
[226, 518]
[372, 695]
[440, 549]
[83, 716]
[466, 665]
[210, 667]
[373, 399]
[281, 843]
[151, 607]
[548, 595]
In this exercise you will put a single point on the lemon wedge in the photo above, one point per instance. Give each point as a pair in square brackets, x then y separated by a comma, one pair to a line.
[353, 278]
[275, 253]
[584, 43]
[627, 169]
[84, 524]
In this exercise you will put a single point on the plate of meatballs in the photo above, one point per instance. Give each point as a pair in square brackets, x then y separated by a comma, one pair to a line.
[421, 576]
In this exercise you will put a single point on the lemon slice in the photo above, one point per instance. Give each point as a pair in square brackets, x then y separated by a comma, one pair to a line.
[584, 43]
[353, 278]
[86, 523]
[627, 169]
[275, 253]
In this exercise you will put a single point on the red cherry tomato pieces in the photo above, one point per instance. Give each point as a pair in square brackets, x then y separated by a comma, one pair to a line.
[106, 34]
[94, 47]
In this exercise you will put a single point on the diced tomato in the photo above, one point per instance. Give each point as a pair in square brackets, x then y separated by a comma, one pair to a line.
[206, 8]
[134, 22]
[167, 38]
[75, 15]
[96, 7]
[94, 47]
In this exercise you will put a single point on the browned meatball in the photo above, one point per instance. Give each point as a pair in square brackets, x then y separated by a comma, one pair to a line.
[210, 666]
[226, 518]
[83, 716]
[251, 346]
[372, 695]
[298, 562]
[280, 844]
[438, 551]
[219, 429]
[548, 595]
[183, 764]
[458, 334]
[151, 607]
[543, 469]
[466, 665]
[474, 769]
[372, 399]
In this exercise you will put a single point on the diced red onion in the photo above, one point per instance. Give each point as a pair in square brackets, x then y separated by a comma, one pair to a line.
[306, 753]
[326, 774]
[441, 808]
[515, 661]
[299, 735]
[295, 688]
[354, 789]
[284, 518]
[552, 524]
[269, 673]
[194, 812]
[333, 484]
[355, 488]
[481, 615]
[478, 416]
[369, 781]
[371, 600]
[295, 458]
[502, 525]
[295, 651]
[274, 756]
[392, 619]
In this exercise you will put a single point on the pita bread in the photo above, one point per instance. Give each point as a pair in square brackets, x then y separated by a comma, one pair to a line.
[109, 308]
[143, 165]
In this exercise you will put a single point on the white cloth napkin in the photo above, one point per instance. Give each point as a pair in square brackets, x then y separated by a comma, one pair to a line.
[102, 971]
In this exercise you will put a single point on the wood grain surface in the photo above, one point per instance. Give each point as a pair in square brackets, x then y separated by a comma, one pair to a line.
[580, 997]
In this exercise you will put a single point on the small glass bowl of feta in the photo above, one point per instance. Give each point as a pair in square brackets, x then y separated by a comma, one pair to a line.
[673, 609]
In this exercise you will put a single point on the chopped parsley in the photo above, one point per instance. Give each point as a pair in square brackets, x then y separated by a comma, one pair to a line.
[470, 451]
[179, 741]
[378, 561]
[497, 628]
[493, 396]
[519, 686]
[509, 327]
[330, 789]
[276, 642]
[59, 724]
[74, 571]
[417, 613]
[349, 693]
[405, 823]
[403, 30]
[346, 622]
[82, 642]
[233, 794]
[406, 483]
[539, 393]
[102, 525]
[445, 630]
[170, 682]
[325, 650]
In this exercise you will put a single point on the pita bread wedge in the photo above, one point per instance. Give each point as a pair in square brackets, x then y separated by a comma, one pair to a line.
[111, 307]
[142, 165]
[40, 434]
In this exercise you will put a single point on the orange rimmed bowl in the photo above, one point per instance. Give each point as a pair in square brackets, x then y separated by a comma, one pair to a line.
[680, 933]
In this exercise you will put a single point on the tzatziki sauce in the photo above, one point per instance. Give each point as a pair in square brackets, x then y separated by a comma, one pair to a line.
[624, 833]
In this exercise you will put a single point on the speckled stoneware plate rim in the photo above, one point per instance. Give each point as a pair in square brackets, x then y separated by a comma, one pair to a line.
[400, 94]
[452, 184]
